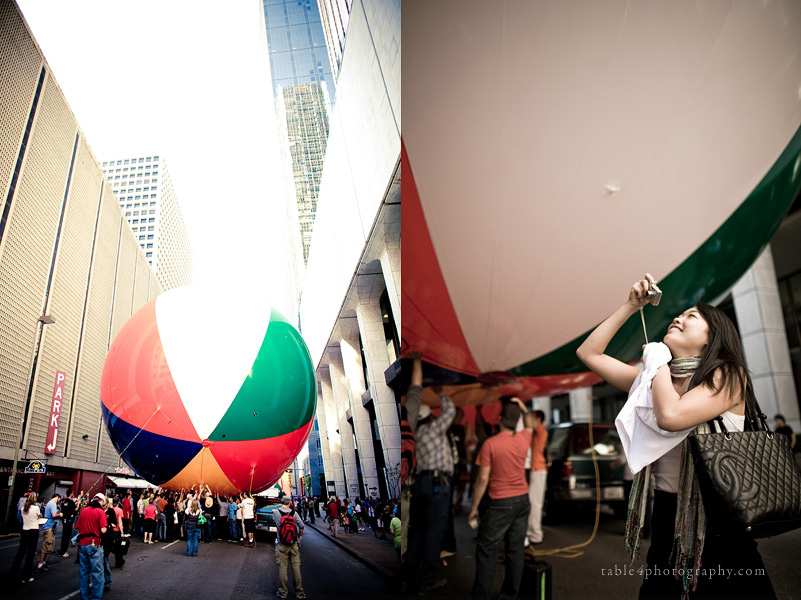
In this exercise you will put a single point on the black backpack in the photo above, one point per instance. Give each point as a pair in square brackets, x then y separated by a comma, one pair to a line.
[287, 530]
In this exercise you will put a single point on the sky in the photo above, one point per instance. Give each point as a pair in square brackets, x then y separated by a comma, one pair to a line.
[191, 83]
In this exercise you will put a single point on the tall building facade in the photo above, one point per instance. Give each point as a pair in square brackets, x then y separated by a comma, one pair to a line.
[143, 187]
[71, 274]
[335, 15]
[350, 307]
[303, 87]
[297, 45]
[304, 125]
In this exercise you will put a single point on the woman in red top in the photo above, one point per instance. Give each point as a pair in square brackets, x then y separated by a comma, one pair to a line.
[127, 512]
[151, 511]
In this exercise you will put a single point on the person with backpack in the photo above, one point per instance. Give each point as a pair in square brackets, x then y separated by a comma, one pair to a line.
[290, 533]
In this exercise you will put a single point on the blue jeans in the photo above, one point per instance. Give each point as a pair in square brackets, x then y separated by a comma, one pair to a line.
[91, 572]
[161, 530]
[504, 520]
[191, 541]
[428, 520]
[234, 532]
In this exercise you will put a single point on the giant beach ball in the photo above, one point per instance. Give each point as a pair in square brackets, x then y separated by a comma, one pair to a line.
[200, 387]
[584, 145]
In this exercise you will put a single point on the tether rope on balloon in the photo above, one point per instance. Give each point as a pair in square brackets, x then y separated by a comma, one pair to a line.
[119, 454]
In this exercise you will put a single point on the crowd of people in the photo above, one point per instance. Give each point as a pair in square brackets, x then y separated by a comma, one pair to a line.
[103, 526]
[505, 470]
[356, 515]
[700, 359]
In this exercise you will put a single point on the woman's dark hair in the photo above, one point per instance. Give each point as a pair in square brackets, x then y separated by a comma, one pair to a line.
[724, 352]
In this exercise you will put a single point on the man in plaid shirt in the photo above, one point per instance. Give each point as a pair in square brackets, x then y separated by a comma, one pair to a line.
[431, 490]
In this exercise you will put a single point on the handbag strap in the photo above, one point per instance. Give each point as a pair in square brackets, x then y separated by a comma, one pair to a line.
[755, 420]
[763, 418]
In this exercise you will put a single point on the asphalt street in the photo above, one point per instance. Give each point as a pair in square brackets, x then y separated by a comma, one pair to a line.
[597, 571]
[221, 570]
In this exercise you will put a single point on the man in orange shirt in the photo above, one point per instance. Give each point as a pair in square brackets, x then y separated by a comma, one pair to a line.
[537, 479]
[502, 476]
[161, 531]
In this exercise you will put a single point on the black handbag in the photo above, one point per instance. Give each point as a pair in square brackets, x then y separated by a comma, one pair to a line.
[121, 545]
[749, 480]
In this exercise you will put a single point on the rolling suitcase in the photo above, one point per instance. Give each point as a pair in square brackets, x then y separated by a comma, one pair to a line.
[537, 580]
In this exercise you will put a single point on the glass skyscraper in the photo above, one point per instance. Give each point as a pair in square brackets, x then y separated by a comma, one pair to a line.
[298, 51]
[303, 87]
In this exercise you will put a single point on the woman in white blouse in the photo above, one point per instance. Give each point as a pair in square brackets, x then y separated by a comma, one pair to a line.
[703, 377]
[28, 538]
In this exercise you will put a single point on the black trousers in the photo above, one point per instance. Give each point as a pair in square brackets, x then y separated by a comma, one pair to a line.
[66, 534]
[731, 566]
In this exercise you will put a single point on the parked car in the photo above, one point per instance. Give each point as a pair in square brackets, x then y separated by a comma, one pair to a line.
[571, 476]
[264, 514]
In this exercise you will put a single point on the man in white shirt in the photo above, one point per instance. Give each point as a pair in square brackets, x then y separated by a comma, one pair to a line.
[249, 517]
[140, 511]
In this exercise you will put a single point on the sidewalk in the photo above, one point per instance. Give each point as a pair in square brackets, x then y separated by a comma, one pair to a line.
[377, 554]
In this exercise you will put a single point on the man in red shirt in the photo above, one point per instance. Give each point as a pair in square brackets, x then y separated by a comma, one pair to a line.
[91, 524]
[537, 479]
[127, 511]
[333, 516]
[502, 475]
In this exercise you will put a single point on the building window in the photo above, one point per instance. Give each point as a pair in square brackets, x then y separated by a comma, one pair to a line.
[390, 332]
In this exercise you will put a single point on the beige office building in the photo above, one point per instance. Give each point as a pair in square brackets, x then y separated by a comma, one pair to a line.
[71, 274]
[145, 191]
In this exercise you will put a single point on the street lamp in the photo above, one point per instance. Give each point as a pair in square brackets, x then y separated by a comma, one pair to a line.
[44, 320]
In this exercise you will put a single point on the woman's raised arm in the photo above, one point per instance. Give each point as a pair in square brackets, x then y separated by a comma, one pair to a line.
[592, 350]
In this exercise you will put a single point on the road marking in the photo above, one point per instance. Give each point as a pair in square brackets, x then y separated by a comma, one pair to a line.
[75, 593]
[170, 544]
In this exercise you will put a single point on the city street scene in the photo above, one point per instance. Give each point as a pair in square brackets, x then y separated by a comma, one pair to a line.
[601, 337]
[200, 275]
